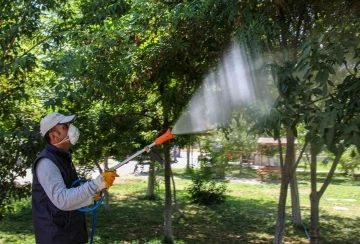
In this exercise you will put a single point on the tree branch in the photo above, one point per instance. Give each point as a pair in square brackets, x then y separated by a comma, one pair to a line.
[281, 155]
[298, 159]
[330, 175]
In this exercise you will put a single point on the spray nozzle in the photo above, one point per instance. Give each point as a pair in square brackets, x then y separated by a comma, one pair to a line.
[164, 137]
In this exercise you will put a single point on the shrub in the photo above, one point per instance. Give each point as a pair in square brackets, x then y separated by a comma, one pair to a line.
[207, 192]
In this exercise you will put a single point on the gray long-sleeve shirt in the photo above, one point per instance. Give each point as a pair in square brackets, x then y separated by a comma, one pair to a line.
[63, 198]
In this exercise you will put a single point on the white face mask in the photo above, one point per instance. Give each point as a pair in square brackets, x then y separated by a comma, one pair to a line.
[73, 135]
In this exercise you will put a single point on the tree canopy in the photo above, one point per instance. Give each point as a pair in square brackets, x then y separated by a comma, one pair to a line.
[129, 68]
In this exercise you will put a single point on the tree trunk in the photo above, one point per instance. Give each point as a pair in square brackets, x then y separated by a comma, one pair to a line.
[175, 198]
[314, 200]
[168, 235]
[150, 193]
[295, 202]
[188, 157]
[314, 218]
[280, 221]
[286, 177]
[290, 164]
[315, 195]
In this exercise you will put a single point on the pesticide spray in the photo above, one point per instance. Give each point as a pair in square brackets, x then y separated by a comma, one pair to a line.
[236, 82]
[231, 86]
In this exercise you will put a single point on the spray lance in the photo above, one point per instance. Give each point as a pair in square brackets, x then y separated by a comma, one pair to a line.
[160, 140]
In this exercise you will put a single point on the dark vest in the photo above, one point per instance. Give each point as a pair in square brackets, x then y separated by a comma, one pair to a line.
[52, 225]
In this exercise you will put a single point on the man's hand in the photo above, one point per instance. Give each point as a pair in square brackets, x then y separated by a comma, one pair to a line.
[109, 177]
[97, 197]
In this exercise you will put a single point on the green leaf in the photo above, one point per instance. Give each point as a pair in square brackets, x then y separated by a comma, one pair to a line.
[323, 125]
[295, 131]
[324, 90]
[307, 51]
[317, 91]
[331, 69]
[322, 76]
[317, 145]
[351, 128]
[333, 116]
[329, 136]
[339, 55]
[330, 83]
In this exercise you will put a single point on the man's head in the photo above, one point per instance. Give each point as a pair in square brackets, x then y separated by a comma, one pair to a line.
[54, 128]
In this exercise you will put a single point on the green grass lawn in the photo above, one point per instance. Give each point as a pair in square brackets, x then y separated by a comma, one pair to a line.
[247, 216]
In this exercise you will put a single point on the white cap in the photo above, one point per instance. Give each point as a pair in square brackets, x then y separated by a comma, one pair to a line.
[50, 120]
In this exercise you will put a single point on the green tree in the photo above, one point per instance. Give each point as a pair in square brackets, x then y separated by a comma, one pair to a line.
[130, 70]
[23, 36]
[281, 30]
[350, 161]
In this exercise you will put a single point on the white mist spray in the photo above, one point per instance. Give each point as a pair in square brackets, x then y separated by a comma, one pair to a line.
[222, 92]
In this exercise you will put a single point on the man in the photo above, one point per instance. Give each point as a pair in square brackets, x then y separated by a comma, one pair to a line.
[54, 201]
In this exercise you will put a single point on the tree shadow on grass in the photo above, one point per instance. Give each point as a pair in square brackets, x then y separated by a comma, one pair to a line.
[337, 179]
[334, 229]
[133, 220]
[235, 221]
